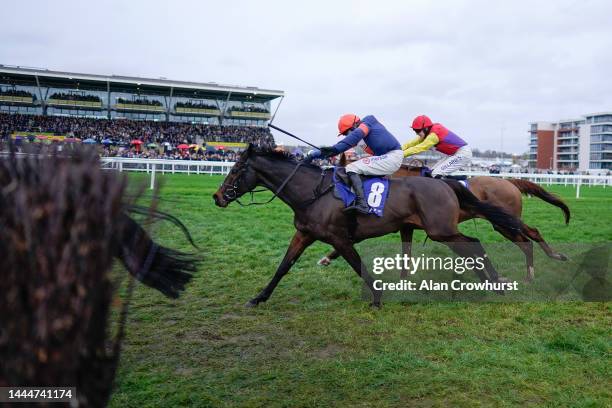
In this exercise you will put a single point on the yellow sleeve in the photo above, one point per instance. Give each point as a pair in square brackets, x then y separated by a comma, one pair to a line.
[430, 141]
[411, 143]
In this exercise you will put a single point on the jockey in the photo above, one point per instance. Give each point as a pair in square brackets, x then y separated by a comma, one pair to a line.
[385, 149]
[435, 135]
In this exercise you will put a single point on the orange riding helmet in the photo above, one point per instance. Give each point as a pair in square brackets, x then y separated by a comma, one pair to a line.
[421, 122]
[347, 122]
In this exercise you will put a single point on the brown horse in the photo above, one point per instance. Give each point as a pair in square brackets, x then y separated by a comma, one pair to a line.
[503, 193]
[414, 202]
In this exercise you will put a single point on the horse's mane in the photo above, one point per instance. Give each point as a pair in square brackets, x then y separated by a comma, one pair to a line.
[271, 151]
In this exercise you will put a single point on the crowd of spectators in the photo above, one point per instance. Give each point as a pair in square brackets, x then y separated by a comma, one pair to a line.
[195, 105]
[124, 130]
[150, 102]
[170, 153]
[15, 92]
[75, 97]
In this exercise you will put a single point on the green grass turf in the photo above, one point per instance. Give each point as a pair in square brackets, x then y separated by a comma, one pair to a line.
[316, 343]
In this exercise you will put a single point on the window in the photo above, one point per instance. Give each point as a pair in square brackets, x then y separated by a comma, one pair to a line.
[601, 128]
[602, 118]
[601, 138]
[601, 156]
[25, 110]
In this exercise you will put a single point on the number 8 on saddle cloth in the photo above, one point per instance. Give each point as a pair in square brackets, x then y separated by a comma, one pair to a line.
[376, 190]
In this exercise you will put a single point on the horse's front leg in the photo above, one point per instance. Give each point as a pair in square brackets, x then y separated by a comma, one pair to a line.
[298, 244]
[327, 259]
[349, 253]
[406, 234]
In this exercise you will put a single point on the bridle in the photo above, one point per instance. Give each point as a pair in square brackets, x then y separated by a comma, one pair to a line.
[230, 191]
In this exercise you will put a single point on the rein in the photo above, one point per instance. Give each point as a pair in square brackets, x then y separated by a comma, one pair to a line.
[231, 194]
[276, 193]
[317, 192]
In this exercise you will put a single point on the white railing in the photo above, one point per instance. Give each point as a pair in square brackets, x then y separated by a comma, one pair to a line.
[166, 166]
[153, 166]
[576, 180]
[549, 179]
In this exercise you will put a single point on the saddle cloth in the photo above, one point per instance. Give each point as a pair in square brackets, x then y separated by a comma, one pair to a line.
[376, 190]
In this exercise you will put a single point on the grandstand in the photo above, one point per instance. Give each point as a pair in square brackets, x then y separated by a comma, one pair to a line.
[45, 92]
[120, 108]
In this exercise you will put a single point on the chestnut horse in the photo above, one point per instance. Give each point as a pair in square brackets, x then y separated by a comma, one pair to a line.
[503, 193]
[413, 202]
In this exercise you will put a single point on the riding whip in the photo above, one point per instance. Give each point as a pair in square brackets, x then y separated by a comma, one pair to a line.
[292, 135]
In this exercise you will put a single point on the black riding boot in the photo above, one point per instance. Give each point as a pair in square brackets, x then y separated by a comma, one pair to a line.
[360, 203]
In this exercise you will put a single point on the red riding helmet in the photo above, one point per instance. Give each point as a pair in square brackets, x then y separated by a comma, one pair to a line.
[347, 122]
[421, 122]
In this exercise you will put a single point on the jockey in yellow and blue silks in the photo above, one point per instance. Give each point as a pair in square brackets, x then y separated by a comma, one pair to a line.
[377, 140]
[435, 135]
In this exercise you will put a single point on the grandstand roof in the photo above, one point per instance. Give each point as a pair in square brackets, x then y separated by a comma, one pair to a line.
[30, 76]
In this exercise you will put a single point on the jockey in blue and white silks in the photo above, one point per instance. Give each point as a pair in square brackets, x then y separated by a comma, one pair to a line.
[386, 152]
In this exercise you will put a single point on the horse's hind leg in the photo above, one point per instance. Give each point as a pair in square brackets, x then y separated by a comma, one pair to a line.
[348, 252]
[520, 240]
[299, 243]
[406, 234]
[534, 234]
[469, 247]
[327, 259]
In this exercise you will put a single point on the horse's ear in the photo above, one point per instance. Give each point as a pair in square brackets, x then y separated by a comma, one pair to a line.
[342, 161]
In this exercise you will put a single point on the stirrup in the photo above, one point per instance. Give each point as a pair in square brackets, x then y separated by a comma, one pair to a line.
[363, 209]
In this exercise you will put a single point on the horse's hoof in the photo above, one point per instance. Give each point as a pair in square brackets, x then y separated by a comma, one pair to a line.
[325, 261]
[562, 257]
[376, 304]
[251, 303]
[530, 275]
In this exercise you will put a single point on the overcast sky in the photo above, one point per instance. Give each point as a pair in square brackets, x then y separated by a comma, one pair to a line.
[480, 68]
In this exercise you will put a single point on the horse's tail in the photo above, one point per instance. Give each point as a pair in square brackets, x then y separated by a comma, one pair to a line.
[161, 268]
[494, 214]
[527, 187]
